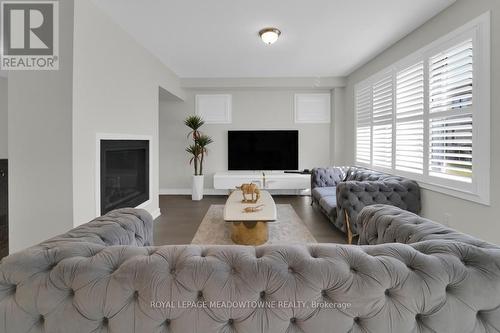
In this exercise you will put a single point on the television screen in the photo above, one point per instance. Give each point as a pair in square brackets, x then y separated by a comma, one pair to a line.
[263, 150]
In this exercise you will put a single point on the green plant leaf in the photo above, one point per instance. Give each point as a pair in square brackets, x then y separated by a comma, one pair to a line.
[203, 140]
[194, 122]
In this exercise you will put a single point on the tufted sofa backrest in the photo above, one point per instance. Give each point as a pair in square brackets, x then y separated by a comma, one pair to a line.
[387, 224]
[362, 174]
[327, 177]
[80, 286]
[430, 287]
[353, 196]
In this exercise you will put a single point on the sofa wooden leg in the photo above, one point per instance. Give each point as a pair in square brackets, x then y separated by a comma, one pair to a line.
[348, 228]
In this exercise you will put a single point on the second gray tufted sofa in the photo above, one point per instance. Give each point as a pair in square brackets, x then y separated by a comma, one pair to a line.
[102, 277]
[345, 191]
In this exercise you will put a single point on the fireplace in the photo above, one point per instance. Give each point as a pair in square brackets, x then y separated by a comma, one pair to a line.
[124, 176]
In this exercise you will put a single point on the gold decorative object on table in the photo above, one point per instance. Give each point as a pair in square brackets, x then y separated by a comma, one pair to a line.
[251, 189]
[253, 209]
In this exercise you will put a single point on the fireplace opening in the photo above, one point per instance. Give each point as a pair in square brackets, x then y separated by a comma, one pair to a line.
[124, 174]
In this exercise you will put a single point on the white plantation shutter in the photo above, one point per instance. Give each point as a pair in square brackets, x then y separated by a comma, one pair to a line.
[409, 119]
[410, 146]
[382, 100]
[450, 78]
[410, 92]
[363, 125]
[382, 122]
[451, 147]
[427, 116]
[450, 113]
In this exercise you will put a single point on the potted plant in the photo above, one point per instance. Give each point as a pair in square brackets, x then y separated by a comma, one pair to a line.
[197, 150]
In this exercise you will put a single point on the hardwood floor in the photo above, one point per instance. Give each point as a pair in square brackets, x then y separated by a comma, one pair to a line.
[181, 218]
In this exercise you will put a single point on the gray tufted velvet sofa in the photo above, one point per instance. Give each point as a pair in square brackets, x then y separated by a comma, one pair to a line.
[105, 277]
[341, 191]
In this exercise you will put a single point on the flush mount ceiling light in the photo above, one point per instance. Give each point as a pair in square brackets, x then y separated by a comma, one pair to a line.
[269, 35]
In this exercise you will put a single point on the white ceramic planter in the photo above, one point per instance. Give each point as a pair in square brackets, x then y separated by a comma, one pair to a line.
[197, 191]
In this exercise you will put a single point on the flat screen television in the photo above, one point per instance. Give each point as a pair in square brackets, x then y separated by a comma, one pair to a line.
[263, 150]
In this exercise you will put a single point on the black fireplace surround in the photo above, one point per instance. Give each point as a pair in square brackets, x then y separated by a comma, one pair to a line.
[124, 173]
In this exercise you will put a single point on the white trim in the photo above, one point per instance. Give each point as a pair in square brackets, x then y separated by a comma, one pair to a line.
[156, 213]
[97, 171]
[329, 82]
[320, 97]
[226, 99]
[479, 189]
[187, 191]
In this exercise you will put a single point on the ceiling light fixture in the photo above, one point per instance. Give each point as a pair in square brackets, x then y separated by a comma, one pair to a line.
[269, 35]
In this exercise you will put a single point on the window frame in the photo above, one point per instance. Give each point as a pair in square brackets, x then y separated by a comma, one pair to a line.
[478, 190]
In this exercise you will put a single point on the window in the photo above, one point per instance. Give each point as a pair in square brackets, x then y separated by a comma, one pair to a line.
[382, 122]
[214, 109]
[427, 116]
[364, 130]
[450, 112]
[312, 108]
[410, 119]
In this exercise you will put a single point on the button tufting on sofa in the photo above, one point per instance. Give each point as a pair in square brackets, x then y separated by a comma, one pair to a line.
[382, 287]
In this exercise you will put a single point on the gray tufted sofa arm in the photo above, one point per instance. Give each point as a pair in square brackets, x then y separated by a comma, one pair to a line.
[353, 196]
[381, 224]
[131, 227]
[326, 177]
[126, 226]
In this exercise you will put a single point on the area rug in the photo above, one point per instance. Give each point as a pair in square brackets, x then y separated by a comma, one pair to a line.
[288, 229]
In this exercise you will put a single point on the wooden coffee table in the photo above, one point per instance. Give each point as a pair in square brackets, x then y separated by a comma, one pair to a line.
[249, 228]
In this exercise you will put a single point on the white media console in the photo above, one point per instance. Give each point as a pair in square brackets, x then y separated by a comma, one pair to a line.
[270, 180]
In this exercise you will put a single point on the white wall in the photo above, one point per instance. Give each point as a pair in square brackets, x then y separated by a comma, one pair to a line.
[338, 130]
[3, 118]
[116, 90]
[40, 162]
[252, 109]
[475, 219]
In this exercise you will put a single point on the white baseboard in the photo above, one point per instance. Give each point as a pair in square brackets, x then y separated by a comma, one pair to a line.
[156, 214]
[187, 191]
[211, 191]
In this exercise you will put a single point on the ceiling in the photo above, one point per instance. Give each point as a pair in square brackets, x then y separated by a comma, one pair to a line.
[219, 38]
